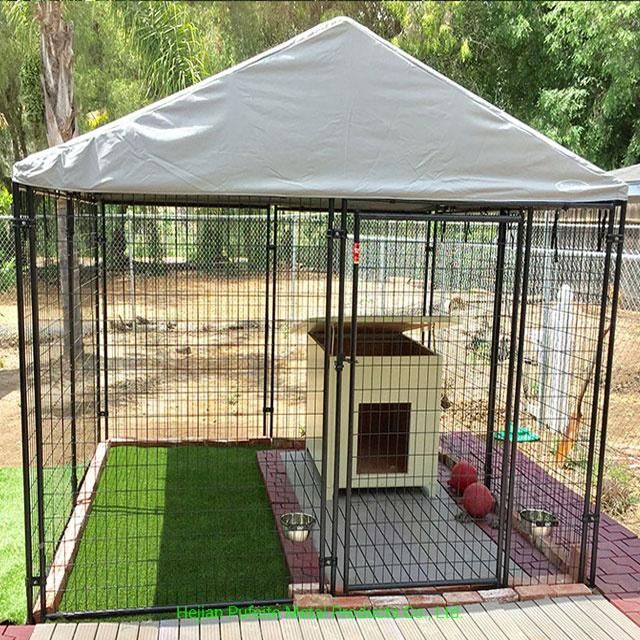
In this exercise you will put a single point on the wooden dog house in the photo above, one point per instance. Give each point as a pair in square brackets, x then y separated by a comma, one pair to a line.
[396, 403]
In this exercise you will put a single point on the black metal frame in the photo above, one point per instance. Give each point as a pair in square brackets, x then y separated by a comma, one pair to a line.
[332, 536]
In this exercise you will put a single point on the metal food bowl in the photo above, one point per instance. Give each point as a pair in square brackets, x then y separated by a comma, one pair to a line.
[538, 523]
[297, 526]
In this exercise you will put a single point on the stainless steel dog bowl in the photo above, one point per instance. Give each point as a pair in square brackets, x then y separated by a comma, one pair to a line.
[297, 526]
[538, 523]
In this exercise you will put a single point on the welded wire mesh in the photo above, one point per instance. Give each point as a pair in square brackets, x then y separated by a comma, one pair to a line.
[199, 370]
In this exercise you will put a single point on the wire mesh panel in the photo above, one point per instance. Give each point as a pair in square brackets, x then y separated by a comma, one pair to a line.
[234, 404]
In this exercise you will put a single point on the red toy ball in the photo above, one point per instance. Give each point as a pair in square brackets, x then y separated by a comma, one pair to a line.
[477, 500]
[462, 475]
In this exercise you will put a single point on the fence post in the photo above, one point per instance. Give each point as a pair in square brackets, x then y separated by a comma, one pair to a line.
[18, 227]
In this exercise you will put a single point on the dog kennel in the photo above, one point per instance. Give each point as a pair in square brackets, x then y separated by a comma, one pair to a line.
[311, 283]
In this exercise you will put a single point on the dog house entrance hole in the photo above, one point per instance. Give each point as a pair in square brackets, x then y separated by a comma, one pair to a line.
[383, 437]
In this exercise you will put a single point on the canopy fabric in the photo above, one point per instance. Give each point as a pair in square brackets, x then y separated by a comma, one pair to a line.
[630, 175]
[335, 112]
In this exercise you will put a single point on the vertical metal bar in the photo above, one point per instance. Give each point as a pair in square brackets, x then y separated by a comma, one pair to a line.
[339, 366]
[495, 351]
[267, 325]
[518, 393]
[96, 304]
[274, 301]
[328, 341]
[352, 385]
[602, 321]
[433, 281]
[425, 284]
[607, 391]
[105, 322]
[72, 346]
[24, 416]
[509, 400]
[37, 400]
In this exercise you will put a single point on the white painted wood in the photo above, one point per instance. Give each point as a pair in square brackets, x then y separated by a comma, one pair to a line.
[348, 626]
[328, 626]
[413, 379]
[449, 628]
[86, 631]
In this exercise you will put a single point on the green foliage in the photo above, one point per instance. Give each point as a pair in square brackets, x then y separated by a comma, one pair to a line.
[569, 69]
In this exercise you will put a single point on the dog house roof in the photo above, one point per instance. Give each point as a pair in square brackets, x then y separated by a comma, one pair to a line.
[334, 112]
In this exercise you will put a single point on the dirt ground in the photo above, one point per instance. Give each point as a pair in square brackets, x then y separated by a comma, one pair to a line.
[187, 359]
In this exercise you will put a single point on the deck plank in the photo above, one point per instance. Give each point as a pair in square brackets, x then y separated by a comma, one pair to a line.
[270, 628]
[541, 621]
[290, 627]
[250, 628]
[43, 632]
[369, 628]
[328, 626]
[450, 628]
[506, 618]
[602, 619]
[230, 628]
[149, 630]
[615, 615]
[128, 631]
[210, 629]
[309, 628]
[189, 629]
[86, 631]
[64, 631]
[169, 630]
[413, 629]
[589, 627]
[391, 630]
[348, 626]
[107, 631]
[485, 625]
[560, 618]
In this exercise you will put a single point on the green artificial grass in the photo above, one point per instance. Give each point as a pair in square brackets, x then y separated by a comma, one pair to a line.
[176, 526]
[12, 571]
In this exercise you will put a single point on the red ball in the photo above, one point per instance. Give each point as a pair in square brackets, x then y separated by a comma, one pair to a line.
[462, 475]
[477, 500]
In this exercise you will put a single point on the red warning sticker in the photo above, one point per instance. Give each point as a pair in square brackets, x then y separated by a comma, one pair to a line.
[356, 253]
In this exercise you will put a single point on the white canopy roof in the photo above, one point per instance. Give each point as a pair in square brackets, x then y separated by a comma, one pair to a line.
[335, 112]
[630, 175]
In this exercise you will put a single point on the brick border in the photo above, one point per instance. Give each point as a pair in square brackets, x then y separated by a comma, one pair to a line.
[67, 548]
[302, 558]
[447, 598]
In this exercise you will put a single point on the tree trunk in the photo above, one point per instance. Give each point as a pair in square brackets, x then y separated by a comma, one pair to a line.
[56, 50]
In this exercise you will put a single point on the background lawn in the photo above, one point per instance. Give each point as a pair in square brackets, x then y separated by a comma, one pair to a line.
[176, 526]
[12, 575]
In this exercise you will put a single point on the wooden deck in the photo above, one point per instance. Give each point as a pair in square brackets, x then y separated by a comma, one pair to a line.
[574, 618]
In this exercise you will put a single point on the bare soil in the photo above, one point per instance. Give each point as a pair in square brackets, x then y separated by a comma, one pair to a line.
[187, 359]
